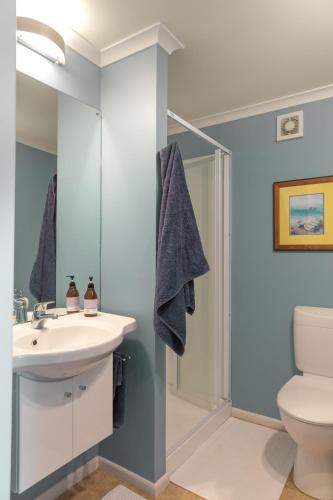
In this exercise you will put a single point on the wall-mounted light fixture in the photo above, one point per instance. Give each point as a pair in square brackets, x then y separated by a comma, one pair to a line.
[41, 38]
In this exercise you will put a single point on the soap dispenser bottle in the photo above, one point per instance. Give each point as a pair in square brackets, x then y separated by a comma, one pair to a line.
[72, 297]
[90, 299]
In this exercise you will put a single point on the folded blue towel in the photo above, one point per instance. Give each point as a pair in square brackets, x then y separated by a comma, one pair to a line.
[43, 276]
[119, 389]
[180, 256]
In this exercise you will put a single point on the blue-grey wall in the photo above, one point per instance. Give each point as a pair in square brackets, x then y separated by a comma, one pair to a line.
[79, 77]
[79, 196]
[134, 105]
[266, 285]
[7, 207]
[34, 169]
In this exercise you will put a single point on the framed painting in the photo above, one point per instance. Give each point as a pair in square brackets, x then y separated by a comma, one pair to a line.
[303, 214]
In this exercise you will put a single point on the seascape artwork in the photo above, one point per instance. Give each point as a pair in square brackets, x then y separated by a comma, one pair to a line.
[306, 214]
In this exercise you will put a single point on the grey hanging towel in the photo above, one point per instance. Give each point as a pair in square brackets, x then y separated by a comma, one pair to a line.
[43, 275]
[180, 257]
[119, 388]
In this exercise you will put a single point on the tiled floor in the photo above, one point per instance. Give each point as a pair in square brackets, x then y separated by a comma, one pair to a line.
[99, 483]
[290, 491]
[253, 465]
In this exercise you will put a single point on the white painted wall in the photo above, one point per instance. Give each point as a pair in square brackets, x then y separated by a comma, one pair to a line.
[7, 186]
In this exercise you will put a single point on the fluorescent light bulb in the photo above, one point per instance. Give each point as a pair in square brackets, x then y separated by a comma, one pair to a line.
[41, 38]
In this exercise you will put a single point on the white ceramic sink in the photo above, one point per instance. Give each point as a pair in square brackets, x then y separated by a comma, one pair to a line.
[68, 345]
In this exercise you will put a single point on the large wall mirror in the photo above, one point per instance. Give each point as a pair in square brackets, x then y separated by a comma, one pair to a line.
[57, 219]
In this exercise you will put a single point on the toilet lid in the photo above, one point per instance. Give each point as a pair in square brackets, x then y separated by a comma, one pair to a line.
[308, 398]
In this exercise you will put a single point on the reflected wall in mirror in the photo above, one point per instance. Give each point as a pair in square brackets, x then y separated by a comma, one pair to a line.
[57, 194]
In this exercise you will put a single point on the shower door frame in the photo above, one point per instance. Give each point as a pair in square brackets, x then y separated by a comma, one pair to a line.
[221, 285]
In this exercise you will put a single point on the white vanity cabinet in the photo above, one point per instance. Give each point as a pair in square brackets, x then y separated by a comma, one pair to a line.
[53, 422]
[43, 428]
[92, 406]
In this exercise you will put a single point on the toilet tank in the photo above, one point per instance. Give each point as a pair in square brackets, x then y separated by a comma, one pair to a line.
[313, 340]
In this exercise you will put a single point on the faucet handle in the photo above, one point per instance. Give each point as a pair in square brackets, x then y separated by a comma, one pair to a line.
[42, 306]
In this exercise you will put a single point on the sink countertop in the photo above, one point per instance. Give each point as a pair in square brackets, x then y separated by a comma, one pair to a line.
[68, 345]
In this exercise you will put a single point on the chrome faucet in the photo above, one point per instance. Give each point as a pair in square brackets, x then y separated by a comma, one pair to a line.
[39, 315]
[20, 307]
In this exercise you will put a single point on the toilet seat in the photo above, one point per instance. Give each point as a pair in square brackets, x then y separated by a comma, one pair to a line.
[308, 398]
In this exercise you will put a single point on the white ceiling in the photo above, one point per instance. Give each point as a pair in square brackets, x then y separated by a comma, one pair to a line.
[36, 114]
[237, 52]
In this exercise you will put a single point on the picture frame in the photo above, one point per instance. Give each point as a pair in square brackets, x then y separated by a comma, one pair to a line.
[303, 214]
[289, 126]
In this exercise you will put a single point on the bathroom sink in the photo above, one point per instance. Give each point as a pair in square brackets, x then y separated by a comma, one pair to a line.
[68, 345]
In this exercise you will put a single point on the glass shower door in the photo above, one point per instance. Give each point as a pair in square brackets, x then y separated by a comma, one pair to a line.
[198, 373]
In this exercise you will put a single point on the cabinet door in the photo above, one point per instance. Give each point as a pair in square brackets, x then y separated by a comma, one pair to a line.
[92, 406]
[45, 429]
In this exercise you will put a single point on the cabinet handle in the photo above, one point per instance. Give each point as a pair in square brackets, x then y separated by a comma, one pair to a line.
[68, 394]
[83, 387]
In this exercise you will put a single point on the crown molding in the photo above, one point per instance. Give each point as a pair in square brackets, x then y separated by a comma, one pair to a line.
[156, 34]
[166, 39]
[260, 108]
[78, 43]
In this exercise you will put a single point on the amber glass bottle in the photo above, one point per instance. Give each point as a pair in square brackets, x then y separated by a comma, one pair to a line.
[90, 300]
[72, 297]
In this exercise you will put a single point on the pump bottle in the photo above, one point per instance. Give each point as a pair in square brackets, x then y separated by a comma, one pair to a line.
[72, 297]
[90, 300]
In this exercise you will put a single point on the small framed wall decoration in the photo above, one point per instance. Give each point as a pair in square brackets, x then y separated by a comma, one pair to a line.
[289, 126]
[303, 214]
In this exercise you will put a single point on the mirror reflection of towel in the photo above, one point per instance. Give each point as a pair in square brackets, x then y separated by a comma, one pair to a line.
[43, 276]
[180, 256]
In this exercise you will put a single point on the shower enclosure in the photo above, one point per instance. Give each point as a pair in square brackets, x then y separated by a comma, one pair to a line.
[198, 384]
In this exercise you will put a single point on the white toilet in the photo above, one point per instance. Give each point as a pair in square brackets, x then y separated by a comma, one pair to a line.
[306, 402]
